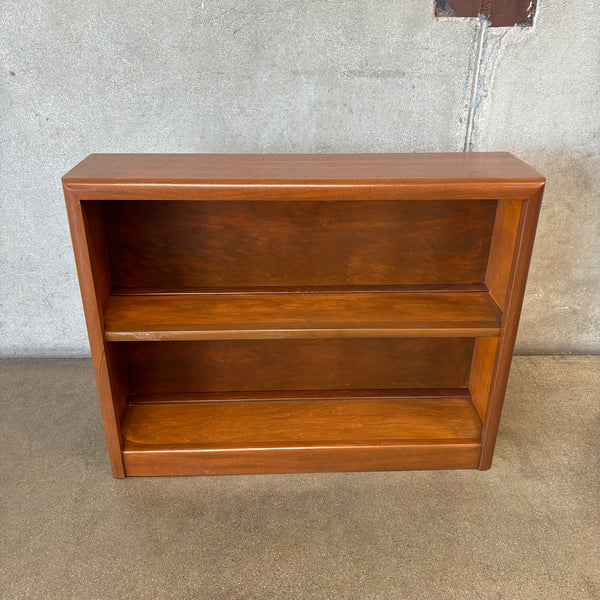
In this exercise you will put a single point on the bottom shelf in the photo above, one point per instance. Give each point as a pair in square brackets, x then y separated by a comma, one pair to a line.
[315, 434]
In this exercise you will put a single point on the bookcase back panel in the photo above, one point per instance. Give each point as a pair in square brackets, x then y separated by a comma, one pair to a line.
[298, 364]
[178, 245]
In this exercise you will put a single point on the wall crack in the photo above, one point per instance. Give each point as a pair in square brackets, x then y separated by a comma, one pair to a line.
[476, 84]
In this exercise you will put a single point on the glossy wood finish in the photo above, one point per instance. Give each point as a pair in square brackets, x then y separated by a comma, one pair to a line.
[520, 259]
[344, 394]
[261, 316]
[298, 364]
[182, 245]
[91, 256]
[297, 169]
[482, 367]
[502, 249]
[324, 312]
[218, 432]
[298, 423]
[388, 457]
[366, 177]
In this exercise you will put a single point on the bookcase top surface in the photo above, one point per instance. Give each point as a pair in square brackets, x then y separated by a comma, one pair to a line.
[300, 169]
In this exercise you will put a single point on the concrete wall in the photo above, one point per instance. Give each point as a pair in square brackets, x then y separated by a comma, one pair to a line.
[290, 76]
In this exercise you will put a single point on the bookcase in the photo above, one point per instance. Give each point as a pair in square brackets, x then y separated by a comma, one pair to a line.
[301, 313]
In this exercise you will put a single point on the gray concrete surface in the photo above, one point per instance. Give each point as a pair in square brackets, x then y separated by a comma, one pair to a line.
[526, 529]
[541, 100]
[288, 76]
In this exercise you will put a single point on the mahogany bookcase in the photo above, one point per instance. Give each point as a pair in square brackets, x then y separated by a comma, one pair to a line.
[297, 313]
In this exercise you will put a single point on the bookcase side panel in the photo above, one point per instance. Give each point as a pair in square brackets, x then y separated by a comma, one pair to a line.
[480, 378]
[519, 268]
[502, 249]
[93, 269]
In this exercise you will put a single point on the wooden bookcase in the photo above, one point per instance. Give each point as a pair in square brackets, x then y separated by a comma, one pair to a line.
[296, 313]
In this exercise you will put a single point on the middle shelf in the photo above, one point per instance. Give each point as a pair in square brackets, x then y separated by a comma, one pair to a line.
[220, 316]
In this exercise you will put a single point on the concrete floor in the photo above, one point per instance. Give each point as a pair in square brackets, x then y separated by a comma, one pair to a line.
[528, 528]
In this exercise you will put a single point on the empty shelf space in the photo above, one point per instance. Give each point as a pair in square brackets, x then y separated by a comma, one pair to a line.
[288, 435]
[301, 315]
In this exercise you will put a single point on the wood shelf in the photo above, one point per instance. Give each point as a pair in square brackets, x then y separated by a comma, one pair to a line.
[307, 315]
[233, 437]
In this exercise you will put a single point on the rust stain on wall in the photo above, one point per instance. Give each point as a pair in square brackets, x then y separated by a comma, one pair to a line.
[500, 13]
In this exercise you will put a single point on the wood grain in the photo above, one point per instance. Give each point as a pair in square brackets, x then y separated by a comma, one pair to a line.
[482, 367]
[298, 169]
[261, 395]
[259, 316]
[183, 245]
[300, 289]
[297, 423]
[301, 313]
[502, 249]
[528, 218]
[227, 177]
[93, 269]
[302, 460]
[298, 364]
[267, 431]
